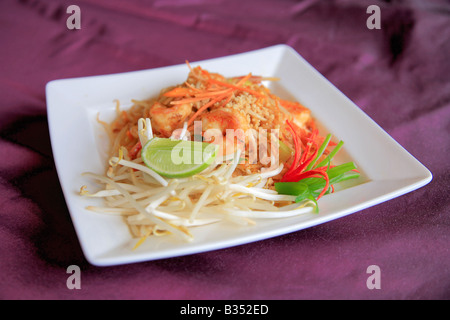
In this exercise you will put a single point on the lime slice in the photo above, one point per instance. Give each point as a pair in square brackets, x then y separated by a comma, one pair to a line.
[178, 158]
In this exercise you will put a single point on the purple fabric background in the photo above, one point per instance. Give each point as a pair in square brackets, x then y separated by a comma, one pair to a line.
[399, 75]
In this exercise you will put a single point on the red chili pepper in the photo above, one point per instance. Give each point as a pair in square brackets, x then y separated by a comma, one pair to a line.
[296, 172]
[133, 151]
[300, 163]
[297, 150]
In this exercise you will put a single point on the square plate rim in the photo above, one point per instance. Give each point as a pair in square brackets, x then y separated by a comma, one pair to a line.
[422, 178]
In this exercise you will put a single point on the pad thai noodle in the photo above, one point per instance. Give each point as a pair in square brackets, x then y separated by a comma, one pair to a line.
[271, 162]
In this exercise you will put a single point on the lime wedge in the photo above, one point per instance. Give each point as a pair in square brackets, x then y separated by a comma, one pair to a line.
[178, 158]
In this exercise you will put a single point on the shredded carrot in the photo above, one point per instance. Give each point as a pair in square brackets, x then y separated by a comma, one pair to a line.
[236, 87]
[187, 100]
[192, 87]
[178, 92]
[257, 79]
[204, 107]
[213, 93]
[244, 79]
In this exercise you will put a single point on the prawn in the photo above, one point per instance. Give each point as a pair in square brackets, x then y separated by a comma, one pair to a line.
[300, 114]
[220, 122]
[166, 119]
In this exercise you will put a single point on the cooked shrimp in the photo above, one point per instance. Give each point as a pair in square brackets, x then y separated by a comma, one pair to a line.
[300, 114]
[222, 119]
[166, 119]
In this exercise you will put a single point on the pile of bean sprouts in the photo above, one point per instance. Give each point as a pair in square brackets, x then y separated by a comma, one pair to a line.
[154, 205]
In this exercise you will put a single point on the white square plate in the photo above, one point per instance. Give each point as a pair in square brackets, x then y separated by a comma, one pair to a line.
[387, 170]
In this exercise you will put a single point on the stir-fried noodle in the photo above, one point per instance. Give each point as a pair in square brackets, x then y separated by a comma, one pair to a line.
[237, 188]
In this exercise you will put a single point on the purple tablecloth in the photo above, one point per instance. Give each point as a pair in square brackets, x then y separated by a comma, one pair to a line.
[399, 75]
